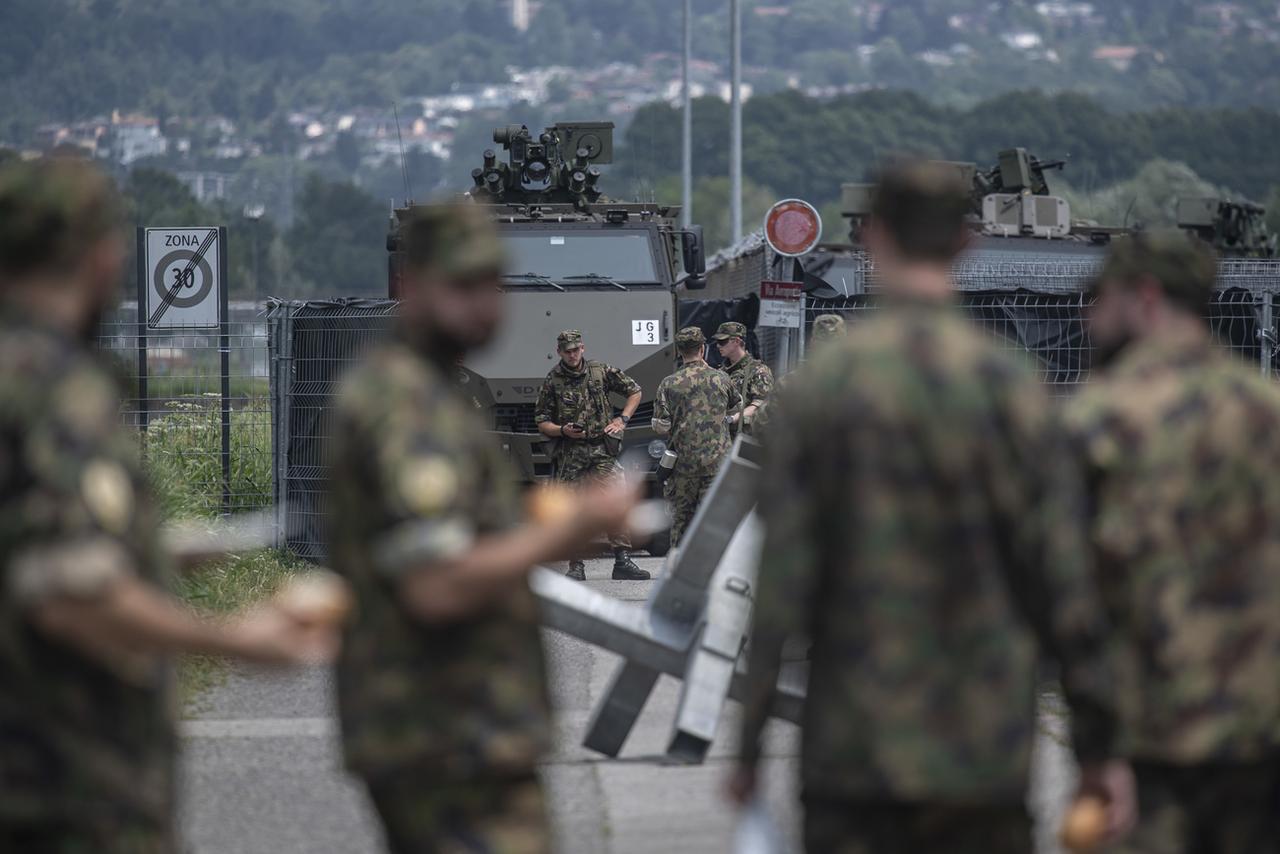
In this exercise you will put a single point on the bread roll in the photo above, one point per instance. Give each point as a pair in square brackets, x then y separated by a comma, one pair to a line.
[1085, 825]
[318, 597]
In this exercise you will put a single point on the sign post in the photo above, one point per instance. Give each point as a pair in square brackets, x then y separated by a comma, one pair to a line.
[792, 228]
[144, 273]
[182, 285]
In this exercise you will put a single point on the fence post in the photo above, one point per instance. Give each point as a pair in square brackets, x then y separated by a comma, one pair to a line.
[1267, 334]
[280, 343]
[144, 405]
[224, 363]
[804, 307]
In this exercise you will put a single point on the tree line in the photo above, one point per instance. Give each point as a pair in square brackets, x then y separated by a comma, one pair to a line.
[254, 60]
[1125, 167]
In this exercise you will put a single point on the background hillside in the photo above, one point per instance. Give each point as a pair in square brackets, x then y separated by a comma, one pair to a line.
[276, 116]
[250, 59]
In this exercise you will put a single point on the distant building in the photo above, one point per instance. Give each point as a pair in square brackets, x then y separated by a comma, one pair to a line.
[1022, 40]
[1064, 10]
[937, 58]
[135, 137]
[207, 186]
[520, 15]
[87, 137]
[1119, 57]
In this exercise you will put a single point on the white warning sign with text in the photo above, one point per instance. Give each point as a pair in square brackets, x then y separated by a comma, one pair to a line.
[781, 304]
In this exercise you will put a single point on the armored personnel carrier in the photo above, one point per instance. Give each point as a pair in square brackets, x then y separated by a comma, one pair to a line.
[1237, 229]
[1010, 199]
[1013, 199]
[578, 260]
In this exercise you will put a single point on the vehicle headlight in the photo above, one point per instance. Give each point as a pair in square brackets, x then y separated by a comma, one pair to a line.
[657, 448]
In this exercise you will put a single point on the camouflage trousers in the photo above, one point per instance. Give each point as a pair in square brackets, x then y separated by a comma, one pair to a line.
[473, 817]
[120, 836]
[835, 826]
[592, 470]
[685, 492]
[1206, 809]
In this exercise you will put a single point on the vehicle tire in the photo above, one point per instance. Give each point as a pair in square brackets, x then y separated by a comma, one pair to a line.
[659, 544]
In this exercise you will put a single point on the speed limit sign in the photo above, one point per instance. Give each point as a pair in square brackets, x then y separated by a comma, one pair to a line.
[183, 277]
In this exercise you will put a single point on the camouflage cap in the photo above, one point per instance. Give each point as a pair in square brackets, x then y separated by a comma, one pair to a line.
[52, 211]
[568, 339]
[729, 330]
[827, 327]
[1185, 266]
[690, 336]
[457, 239]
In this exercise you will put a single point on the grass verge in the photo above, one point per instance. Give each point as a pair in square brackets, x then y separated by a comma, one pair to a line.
[183, 459]
[221, 588]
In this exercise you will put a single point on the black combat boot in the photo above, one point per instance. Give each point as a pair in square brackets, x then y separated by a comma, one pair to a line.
[625, 569]
[577, 570]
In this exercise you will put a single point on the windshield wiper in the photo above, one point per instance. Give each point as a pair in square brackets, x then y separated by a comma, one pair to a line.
[537, 277]
[596, 277]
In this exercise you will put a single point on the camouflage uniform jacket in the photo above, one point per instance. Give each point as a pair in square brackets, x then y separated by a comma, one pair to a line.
[582, 398]
[81, 738]
[416, 479]
[753, 381]
[691, 407]
[925, 529]
[1181, 446]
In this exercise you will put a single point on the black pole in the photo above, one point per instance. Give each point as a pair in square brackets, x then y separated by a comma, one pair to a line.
[144, 414]
[224, 353]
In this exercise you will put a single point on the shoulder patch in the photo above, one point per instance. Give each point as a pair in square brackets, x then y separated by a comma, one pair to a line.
[108, 493]
[428, 484]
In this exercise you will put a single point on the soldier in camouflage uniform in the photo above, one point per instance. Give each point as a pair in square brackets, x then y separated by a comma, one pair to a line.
[751, 377]
[574, 411]
[693, 408]
[826, 327]
[441, 684]
[1178, 442]
[86, 631]
[924, 528]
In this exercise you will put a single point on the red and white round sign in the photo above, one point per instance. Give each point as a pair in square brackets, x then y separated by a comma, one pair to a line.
[792, 227]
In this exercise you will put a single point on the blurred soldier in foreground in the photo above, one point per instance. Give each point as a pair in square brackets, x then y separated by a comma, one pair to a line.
[751, 377]
[1181, 445]
[86, 632]
[441, 686]
[693, 407]
[573, 409]
[827, 329]
[924, 529]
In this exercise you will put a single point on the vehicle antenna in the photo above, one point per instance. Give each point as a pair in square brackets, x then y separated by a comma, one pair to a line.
[404, 163]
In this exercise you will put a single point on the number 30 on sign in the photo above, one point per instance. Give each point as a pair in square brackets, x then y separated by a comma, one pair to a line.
[644, 332]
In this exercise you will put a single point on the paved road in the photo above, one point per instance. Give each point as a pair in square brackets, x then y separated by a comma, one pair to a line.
[261, 771]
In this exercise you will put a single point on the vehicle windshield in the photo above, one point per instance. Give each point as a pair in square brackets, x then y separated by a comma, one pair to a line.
[590, 256]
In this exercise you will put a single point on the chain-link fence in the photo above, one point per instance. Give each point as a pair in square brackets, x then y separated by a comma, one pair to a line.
[284, 361]
[1036, 306]
[204, 459]
[312, 344]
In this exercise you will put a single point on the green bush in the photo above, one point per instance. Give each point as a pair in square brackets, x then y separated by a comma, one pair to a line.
[183, 453]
